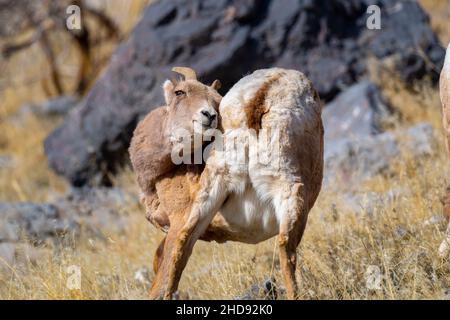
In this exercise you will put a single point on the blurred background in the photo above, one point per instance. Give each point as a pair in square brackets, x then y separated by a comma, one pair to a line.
[35, 69]
[70, 99]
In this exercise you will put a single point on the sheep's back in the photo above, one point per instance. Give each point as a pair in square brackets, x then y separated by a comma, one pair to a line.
[150, 150]
[266, 92]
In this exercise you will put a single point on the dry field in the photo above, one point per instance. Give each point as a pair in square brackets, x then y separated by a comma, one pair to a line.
[337, 250]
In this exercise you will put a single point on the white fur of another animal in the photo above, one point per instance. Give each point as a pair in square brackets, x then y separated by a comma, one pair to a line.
[444, 248]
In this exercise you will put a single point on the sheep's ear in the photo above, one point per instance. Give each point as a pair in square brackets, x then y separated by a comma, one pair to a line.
[216, 85]
[168, 87]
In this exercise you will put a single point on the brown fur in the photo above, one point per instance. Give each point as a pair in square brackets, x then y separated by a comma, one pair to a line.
[174, 190]
[150, 148]
[302, 194]
[256, 107]
[167, 189]
[444, 84]
[158, 256]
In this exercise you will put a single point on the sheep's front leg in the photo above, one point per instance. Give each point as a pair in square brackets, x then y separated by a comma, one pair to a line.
[292, 226]
[172, 255]
[209, 198]
[162, 260]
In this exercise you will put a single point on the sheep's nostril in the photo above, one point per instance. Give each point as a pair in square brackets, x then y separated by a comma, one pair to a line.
[208, 115]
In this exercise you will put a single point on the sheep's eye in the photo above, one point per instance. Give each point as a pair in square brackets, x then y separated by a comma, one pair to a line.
[179, 92]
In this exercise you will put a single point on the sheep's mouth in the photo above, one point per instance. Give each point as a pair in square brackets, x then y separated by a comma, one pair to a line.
[206, 123]
[208, 126]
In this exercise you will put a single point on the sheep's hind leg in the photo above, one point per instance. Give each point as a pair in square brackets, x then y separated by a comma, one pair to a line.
[157, 259]
[292, 225]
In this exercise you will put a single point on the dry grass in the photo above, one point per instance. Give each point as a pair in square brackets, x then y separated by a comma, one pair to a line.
[439, 13]
[338, 247]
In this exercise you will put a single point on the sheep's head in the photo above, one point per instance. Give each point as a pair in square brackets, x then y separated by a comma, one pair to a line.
[192, 105]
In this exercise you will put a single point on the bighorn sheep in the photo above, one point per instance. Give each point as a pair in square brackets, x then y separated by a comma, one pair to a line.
[272, 111]
[190, 105]
[444, 248]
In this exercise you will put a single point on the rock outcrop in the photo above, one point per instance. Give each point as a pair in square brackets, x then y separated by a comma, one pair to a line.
[357, 112]
[349, 161]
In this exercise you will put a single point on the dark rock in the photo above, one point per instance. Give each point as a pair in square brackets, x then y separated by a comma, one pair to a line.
[350, 160]
[406, 20]
[327, 40]
[357, 112]
[266, 290]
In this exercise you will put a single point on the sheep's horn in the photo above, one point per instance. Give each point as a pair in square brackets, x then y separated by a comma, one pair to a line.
[188, 73]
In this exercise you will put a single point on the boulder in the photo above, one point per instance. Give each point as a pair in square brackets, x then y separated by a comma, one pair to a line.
[357, 112]
[355, 148]
[226, 39]
[349, 161]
